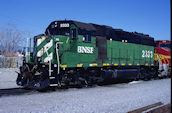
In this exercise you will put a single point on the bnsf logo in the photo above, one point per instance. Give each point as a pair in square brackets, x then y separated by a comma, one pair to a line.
[82, 49]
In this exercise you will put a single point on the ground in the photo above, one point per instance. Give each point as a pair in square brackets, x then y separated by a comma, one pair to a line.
[116, 98]
[8, 77]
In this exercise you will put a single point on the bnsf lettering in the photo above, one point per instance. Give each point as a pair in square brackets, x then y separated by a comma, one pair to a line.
[82, 49]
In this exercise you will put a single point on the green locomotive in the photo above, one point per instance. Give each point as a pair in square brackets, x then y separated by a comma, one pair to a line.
[76, 53]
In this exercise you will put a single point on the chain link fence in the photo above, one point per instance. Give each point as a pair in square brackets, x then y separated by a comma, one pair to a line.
[11, 62]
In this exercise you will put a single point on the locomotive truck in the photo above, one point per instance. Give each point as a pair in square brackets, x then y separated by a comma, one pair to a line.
[77, 53]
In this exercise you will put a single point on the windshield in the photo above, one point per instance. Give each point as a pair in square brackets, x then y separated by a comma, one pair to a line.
[166, 45]
[60, 31]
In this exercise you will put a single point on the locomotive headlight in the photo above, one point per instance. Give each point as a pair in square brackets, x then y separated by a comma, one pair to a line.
[110, 40]
[83, 38]
[55, 65]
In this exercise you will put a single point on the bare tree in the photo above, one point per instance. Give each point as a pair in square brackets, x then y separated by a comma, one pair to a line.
[11, 39]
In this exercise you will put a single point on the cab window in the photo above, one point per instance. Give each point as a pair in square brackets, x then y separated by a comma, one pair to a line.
[165, 45]
[87, 38]
[73, 33]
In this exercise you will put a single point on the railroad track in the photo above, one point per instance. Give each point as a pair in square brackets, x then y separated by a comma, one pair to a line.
[20, 91]
[158, 107]
[14, 91]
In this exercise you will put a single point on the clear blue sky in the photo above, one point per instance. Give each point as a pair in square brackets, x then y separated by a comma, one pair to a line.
[147, 16]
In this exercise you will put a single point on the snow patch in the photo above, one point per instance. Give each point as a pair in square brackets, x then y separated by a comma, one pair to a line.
[8, 78]
[135, 82]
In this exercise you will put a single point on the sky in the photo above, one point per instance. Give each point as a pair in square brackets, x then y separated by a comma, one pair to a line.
[145, 16]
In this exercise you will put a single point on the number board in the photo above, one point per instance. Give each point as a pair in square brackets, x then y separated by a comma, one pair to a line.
[64, 25]
[147, 54]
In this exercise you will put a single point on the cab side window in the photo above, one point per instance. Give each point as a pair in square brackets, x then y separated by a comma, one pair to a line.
[87, 38]
[73, 33]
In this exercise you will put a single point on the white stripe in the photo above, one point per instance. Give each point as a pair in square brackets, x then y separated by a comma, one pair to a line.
[67, 39]
[52, 77]
[40, 53]
[46, 47]
[49, 57]
[53, 84]
[40, 40]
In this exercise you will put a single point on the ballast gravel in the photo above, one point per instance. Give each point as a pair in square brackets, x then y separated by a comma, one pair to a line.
[116, 98]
